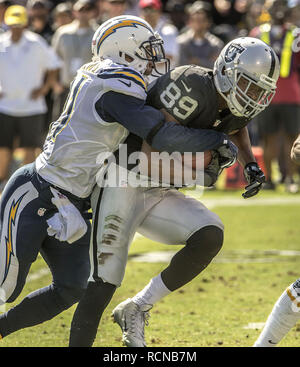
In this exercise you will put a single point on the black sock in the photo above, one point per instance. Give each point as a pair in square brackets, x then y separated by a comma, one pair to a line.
[88, 313]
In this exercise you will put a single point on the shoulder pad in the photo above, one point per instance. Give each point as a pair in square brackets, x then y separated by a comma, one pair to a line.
[124, 80]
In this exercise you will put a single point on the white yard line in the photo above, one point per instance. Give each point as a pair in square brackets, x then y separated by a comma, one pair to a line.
[212, 203]
[229, 257]
[255, 325]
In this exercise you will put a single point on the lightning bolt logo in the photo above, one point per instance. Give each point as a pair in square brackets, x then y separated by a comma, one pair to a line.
[8, 239]
[121, 24]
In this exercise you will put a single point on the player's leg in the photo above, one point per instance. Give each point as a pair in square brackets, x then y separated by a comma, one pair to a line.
[117, 212]
[22, 232]
[285, 314]
[27, 232]
[175, 220]
[70, 267]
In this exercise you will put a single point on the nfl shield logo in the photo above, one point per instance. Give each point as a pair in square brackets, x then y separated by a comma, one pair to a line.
[41, 212]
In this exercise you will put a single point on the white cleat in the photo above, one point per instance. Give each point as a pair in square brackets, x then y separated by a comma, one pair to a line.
[132, 319]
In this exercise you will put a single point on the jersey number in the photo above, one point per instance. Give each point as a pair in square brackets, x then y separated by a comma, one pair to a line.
[57, 126]
[185, 105]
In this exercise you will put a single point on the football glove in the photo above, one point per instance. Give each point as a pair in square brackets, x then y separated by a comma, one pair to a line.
[227, 154]
[212, 171]
[255, 177]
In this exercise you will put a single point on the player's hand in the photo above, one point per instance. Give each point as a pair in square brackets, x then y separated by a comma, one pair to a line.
[255, 177]
[212, 171]
[227, 154]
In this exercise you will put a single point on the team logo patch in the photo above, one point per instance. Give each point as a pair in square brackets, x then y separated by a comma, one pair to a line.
[41, 212]
[233, 51]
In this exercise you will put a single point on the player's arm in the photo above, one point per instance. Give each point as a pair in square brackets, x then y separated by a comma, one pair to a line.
[149, 124]
[253, 174]
[242, 141]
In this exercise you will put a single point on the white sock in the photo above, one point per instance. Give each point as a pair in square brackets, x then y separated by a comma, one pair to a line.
[285, 314]
[153, 292]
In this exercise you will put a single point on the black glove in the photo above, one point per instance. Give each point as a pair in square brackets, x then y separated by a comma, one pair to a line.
[227, 154]
[255, 177]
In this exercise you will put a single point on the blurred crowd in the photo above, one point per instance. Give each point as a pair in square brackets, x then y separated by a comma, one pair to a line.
[44, 42]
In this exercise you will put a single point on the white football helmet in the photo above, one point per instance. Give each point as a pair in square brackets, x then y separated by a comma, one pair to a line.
[257, 64]
[130, 41]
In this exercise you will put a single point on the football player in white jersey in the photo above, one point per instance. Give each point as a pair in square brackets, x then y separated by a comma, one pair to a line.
[286, 310]
[242, 85]
[42, 206]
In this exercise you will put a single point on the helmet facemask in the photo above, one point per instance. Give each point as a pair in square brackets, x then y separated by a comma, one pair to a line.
[245, 75]
[153, 51]
[248, 97]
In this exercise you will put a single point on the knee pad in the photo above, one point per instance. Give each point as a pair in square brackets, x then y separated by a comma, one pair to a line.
[211, 237]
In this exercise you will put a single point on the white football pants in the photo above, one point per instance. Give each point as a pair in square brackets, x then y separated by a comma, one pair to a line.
[161, 214]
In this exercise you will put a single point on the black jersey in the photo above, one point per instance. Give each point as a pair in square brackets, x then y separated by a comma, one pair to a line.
[188, 93]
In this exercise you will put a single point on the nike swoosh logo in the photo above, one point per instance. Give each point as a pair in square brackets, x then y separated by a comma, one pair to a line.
[127, 84]
[186, 87]
[270, 341]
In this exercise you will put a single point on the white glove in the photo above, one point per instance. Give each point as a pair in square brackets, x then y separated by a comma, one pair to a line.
[68, 224]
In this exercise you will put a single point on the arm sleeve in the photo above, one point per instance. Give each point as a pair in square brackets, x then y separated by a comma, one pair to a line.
[145, 121]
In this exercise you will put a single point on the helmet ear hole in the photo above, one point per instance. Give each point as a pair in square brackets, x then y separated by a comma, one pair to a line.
[223, 70]
[128, 58]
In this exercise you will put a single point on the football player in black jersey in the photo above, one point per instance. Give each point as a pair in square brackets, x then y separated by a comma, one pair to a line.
[241, 85]
[223, 99]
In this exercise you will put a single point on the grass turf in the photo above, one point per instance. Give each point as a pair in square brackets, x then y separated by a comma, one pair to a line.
[215, 308]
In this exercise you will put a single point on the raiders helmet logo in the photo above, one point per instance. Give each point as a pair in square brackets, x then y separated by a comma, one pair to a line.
[232, 51]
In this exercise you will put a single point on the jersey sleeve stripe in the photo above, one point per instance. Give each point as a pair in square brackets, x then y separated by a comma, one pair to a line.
[123, 76]
[125, 71]
[132, 75]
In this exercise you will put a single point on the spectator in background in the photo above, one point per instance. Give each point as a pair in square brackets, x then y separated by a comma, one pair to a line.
[257, 14]
[294, 6]
[279, 125]
[114, 8]
[39, 18]
[197, 45]
[177, 14]
[229, 11]
[25, 78]
[228, 18]
[40, 22]
[62, 15]
[151, 11]
[100, 6]
[4, 4]
[72, 44]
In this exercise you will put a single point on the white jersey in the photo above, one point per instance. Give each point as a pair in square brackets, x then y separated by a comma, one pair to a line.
[75, 140]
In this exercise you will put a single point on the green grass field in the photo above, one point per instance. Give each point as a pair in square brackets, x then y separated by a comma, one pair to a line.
[216, 309]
